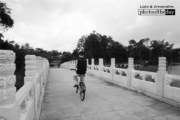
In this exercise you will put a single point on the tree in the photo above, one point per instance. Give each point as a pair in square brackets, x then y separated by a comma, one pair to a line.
[161, 48]
[75, 54]
[66, 57]
[5, 19]
[81, 42]
[139, 50]
[101, 46]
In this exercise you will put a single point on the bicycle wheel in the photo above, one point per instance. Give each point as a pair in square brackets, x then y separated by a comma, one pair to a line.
[82, 95]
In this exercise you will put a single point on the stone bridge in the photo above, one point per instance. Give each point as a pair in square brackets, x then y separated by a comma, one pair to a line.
[112, 93]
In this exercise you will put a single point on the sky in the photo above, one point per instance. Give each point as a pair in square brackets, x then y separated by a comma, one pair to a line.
[59, 24]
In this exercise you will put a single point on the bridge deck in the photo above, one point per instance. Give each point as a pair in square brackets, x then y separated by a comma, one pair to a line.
[104, 101]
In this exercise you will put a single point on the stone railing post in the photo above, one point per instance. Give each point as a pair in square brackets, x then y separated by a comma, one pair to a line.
[160, 76]
[100, 67]
[87, 66]
[7, 84]
[129, 70]
[92, 66]
[31, 75]
[112, 66]
[30, 68]
[92, 61]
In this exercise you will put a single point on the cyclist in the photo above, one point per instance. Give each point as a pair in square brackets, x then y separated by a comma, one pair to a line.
[81, 67]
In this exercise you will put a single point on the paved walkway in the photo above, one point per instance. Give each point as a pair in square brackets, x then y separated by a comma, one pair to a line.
[104, 101]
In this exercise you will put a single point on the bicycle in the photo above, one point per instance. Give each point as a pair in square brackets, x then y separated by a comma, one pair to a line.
[81, 87]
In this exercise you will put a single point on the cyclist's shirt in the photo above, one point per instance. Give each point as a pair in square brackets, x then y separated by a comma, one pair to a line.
[81, 66]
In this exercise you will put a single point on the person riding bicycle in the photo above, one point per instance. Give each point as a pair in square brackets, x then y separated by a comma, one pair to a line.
[81, 67]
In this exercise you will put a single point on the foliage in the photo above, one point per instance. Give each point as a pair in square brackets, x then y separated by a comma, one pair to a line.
[66, 57]
[101, 46]
[22, 51]
[161, 48]
[144, 51]
[5, 19]
[139, 50]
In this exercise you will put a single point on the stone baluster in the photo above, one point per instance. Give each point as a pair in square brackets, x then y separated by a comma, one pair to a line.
[112, 62]
[92, 66]
[31, 75]
[101, 62]
[87, 66]
[39, 64]
[7, 85]
[7, 77]
[112, 67]
[92, 61]
[31, 69]
[101, 66]
[129, 70]
[160, 76]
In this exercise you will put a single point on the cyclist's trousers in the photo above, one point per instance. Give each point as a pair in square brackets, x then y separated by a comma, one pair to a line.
[76, 78]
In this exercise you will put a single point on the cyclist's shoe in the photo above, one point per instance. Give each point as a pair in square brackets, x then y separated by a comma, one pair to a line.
[75, 85]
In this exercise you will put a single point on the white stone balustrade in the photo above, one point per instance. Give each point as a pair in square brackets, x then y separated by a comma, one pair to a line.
[154, 84]
[120, 76]
[20, 105]
[144, 81]
[7, 77]
[171, 92]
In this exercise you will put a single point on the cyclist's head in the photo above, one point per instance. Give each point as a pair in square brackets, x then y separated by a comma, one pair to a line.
[81, 54]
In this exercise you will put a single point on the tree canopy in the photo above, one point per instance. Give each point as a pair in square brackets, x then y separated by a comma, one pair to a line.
[5, 19]
[101, 46]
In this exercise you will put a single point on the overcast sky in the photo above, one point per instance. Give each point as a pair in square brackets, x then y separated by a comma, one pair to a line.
[58, 24]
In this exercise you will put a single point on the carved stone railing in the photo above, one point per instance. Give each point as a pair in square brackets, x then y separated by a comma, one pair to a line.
[144, 81]
[120, 76]
[172, 91]
[21, 105]
[7, 77]
[154, 84]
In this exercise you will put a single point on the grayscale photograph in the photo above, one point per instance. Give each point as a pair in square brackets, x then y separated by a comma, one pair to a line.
[89, 60]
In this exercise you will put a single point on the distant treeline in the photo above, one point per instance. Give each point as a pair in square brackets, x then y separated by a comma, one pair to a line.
[145, 50]
[22, 51]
